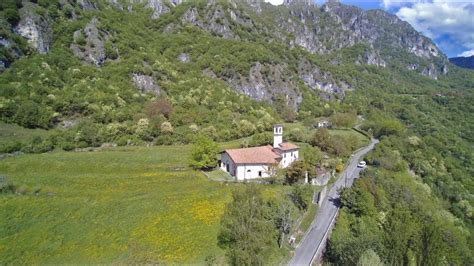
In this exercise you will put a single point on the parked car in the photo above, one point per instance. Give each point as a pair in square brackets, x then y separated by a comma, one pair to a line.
[362, 164]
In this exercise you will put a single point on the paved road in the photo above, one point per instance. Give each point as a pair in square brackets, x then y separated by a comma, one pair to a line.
[314, 239]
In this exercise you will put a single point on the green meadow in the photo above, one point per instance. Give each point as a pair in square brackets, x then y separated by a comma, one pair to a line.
[122, 205]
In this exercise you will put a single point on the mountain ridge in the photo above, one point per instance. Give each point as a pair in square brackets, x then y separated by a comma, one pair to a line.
[351, 24]
[466, 62]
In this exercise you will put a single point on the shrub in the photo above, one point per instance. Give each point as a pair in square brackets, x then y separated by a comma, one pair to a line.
[122, 141]
[6, 186]
[67, 146]
[11, 147]
[164, 140]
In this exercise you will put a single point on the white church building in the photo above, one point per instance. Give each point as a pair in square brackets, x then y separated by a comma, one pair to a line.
[259, 162]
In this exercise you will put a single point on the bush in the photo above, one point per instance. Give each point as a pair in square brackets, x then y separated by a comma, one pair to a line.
[122, 140]
[164, 140]
[6, 186]
[11, 147]
[67, 146]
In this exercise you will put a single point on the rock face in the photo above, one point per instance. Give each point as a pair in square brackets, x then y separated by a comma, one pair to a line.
[318, 80]
[87, 5]
[145, 83]
[372, 57]
[159, 6]
[266, 82]
[35, 28]
[184, 57]
[335, 26]
[89, 43]
[214, 20]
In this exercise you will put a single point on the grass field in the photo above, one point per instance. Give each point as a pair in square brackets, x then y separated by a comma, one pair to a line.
[361, 139]
[126, 205]
[11, 132]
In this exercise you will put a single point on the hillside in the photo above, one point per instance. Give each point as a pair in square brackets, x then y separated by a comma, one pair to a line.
[78, 74]
[466, 62]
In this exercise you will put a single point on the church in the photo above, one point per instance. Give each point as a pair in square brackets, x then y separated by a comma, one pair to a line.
[259, 162]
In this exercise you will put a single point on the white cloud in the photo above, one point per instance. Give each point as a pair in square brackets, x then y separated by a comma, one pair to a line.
[275, 2]
[467, 53]
[397, 3]
[438, 19]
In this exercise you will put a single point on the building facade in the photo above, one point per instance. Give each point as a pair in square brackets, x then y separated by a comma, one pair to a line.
[259, 162]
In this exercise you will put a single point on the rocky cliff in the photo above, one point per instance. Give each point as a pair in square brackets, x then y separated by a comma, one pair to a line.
[327, 30]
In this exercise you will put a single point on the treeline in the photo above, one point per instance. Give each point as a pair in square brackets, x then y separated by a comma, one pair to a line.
[255, 229]
[393, 218]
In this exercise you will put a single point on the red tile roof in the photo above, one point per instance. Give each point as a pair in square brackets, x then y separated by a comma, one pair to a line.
[285, 146]
[262, 154]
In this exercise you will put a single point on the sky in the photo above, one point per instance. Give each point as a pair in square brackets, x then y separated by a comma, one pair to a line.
[449, 23]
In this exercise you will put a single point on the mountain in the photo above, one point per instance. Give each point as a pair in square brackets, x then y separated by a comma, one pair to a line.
[466, 62]
[90, 31]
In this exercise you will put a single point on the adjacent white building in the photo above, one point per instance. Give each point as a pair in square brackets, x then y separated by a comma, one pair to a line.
[259, 162]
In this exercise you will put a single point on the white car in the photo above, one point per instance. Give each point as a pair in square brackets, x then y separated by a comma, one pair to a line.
[362, 164]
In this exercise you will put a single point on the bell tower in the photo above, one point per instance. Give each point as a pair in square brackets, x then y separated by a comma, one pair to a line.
[277, 135]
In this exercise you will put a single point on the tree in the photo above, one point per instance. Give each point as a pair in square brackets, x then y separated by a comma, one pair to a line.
[203, 153]
[159, 106]
[343, 119]
[322, 139]
[261, 139]
[300, 195]
[245, 232]
[339, 146]
[283, 220]
[295, 172]
[166, 128]
[311, 155]
[143, 129]
[246, 128]
[369, 258]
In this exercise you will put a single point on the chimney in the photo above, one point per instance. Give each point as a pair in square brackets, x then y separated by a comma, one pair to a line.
[277, 135]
